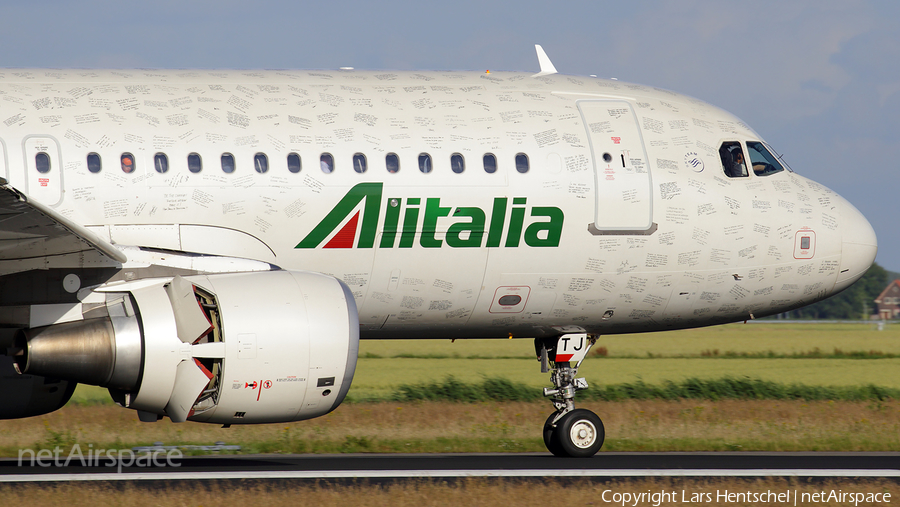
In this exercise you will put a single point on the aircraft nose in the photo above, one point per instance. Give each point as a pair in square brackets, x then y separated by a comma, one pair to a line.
[859, 245]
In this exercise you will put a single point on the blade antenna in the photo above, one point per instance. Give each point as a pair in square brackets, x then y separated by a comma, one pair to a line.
[547, 67]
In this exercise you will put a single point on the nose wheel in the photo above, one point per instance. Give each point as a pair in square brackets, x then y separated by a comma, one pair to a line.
[577, 434]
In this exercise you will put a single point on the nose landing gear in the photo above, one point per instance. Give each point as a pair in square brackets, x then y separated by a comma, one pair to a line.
[568, 432]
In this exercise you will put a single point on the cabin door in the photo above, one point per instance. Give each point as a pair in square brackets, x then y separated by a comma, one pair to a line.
[624, 200]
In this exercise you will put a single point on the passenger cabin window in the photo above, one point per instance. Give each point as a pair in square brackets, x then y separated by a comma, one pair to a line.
[522, 163]
[359, 163]
[490, 163]
[161, 162]
[293, 161]
[42, 162]
[762, 160]
[733, 160]
[261, 163]
[228, 165]
[392, 162]
[425, 162]
[93, 163]
[457, 163]
[127, 163]
[326, 161]
[195, 164]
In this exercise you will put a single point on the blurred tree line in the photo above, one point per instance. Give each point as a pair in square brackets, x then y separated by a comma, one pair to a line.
[854, 302]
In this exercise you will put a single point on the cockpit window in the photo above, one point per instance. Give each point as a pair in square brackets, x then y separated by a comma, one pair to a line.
[762, 160]
[733, 160]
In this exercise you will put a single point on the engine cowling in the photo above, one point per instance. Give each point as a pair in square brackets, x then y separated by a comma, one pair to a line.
[236, 348]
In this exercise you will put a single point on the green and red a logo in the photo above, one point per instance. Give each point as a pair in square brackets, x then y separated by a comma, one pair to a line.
[468, 232]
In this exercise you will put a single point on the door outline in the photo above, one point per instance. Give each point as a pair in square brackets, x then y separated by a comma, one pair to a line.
[594, 227]
[30, 171]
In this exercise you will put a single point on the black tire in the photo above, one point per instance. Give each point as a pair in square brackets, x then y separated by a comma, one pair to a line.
[579, 434]
[549, 441]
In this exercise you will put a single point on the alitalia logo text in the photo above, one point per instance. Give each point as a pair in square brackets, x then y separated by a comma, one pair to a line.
[362, 217]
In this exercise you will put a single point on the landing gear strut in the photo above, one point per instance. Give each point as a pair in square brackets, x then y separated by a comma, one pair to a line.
[569, 431]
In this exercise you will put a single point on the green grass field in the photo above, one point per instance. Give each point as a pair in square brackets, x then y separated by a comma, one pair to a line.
[677, 355]
[754, 337]
[385, 365]
[380, 377]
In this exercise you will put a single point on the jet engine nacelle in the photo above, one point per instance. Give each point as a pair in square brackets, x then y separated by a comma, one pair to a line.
[264, 347]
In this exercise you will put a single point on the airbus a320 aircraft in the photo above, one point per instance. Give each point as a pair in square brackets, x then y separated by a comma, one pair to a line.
[211, 245]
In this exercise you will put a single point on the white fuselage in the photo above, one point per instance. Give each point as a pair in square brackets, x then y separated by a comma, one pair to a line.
[623, 219]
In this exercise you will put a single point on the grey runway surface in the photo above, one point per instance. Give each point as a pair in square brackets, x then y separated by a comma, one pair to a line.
[449, 466]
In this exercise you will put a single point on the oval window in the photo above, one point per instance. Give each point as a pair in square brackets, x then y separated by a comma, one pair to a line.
[522, 163]
[457, 163]
[161, 162]
[42, 162]
[359, 163]
[261, 163]
[127, 163]
[425, 162]
[195, 164]
[490, 163]
[227, 163]
[392, 162]
[326, 162]
[510, 300]
[93, 162]
[293, 163]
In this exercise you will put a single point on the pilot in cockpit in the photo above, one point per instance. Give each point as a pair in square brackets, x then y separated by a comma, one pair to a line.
[739, 168]
[733, 160]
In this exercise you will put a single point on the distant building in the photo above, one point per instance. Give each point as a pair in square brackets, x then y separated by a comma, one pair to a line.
[888, 302]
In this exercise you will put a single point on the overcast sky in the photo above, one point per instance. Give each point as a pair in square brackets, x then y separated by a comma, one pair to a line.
[818, 79]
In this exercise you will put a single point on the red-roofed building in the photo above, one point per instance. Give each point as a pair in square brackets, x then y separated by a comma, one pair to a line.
[888, 302]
